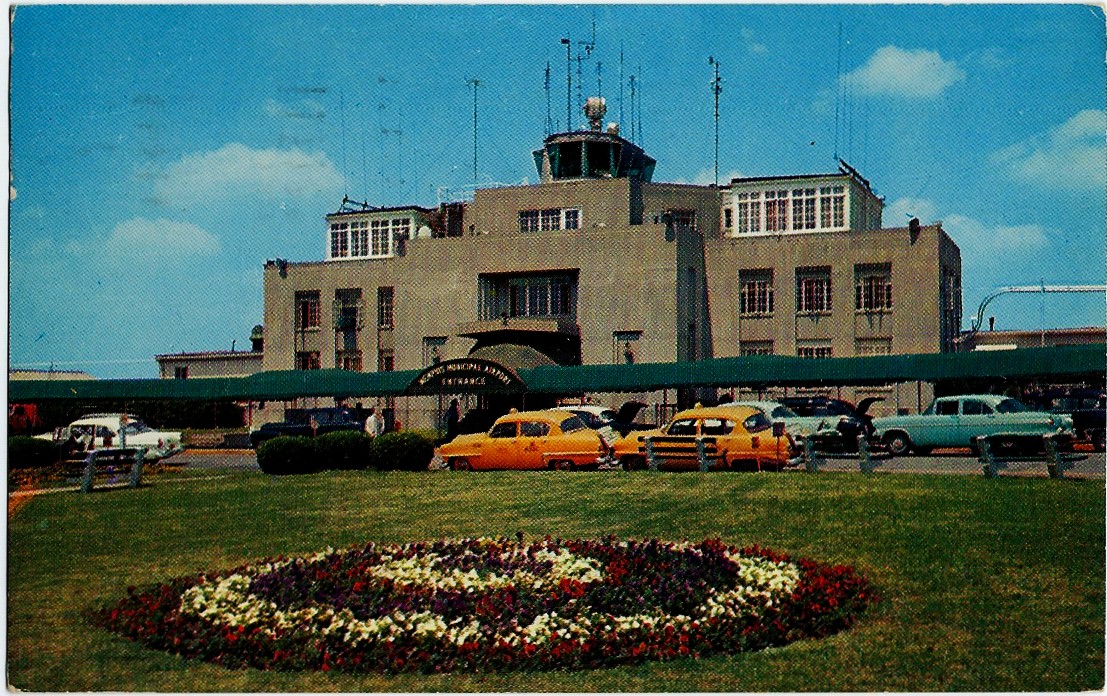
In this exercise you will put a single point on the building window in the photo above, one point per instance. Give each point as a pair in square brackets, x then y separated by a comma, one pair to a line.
[386, 360]
[180, 372]
[348, 360]
[570, 219]
[339, 240]
[755, 292]
[380, 231]
[550, 219]
[347, 310]
[803, 209]
[749, 212]
[728, 218]
[873, 346]
[527, 296]
[528, 220]
[624, 347]
[307, 310]
[684, 220]
[359, 238]
[813, 290]
[832, 207]
[385, 296]
[814, 349]
[307, 360]
[755, 348]
[874, 287]
[434, 348]
[776, 211]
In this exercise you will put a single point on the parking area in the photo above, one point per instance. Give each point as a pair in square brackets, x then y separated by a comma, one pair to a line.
[949, 462]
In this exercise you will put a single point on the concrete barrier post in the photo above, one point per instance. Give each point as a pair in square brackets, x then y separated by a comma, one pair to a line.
[651, 456]
[864, 455]
[701, 454]
[1055, 463]
[136, 468]
[89, 472]
[987, 457]
[811, 460]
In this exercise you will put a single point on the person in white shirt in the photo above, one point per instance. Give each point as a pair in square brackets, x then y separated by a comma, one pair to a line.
[373, 425]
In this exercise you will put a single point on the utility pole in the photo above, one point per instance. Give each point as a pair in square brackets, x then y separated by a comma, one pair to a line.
[549, 122]
[474, 82]
[569, 84]
[716, 87]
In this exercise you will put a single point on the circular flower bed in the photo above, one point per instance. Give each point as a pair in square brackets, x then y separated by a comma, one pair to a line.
[493, 604]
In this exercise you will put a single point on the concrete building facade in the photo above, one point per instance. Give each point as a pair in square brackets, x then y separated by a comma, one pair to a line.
[598, 264]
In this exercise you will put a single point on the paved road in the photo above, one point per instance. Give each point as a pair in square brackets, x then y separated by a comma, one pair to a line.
[953, 463]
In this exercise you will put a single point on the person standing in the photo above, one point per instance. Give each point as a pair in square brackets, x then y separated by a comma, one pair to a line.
[373, 425]
[453, 418]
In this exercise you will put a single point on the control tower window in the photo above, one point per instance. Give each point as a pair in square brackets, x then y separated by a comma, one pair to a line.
[569, 162]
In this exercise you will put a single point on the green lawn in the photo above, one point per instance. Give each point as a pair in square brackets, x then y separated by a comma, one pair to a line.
[988, 585]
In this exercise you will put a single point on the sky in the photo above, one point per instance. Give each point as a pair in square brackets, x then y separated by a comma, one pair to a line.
[160, 154]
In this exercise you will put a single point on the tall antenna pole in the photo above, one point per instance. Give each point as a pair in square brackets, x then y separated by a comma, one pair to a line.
[620, 84]
[716, 87]
[580, 82]
[837, 91]
[549, 123]
[599, 79]
[569, 84]
[641, 138]
[632, 93]
[474, 82]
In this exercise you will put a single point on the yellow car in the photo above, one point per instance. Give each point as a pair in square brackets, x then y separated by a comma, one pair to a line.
[734, 437]
[528, 440]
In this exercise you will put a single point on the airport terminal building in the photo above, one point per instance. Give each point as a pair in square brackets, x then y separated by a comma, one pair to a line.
[598, 264]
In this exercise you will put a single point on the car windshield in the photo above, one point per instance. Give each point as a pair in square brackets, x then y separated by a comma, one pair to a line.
[783, 412]
[572, 423]
[1010, 406]
[589, 419]
[135, 427]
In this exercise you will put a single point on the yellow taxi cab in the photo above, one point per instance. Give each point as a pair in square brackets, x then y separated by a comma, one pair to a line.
[528, 440]
[734, 437]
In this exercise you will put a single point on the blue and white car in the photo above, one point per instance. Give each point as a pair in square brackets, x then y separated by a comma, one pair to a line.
[953, 421]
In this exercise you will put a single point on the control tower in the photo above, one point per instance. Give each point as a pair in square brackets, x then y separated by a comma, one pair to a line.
[592, 154]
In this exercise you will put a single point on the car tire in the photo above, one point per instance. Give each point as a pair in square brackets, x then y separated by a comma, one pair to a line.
[630, 463]
[461, 464]
[562, 465]
[898, 443]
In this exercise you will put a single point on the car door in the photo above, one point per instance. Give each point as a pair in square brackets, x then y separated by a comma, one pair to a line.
[500, 447]
[977, 418]
[534, 436]
[940, 428]
[720, 436]
[677, 447]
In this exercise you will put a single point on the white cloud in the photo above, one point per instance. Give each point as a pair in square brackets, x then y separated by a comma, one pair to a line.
[1072, 155]
[899, 212]
[706, 176]
[140, 240]
[306, 109]
[897, 72]
[236, 170]
[752, 45]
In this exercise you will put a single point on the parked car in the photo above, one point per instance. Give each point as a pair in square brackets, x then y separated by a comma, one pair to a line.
[308, 422]
[852, 421]
[609, 423]
[953, 421]
[101, 430]
[800, 427]
[528, 440]
[1087, 407]
[735, 437]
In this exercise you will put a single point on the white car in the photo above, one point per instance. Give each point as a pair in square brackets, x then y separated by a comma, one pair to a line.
[798, 426]
[103, 430]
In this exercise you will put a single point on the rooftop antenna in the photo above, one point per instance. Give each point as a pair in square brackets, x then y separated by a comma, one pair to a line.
[599, 79]
[838, 90]
[716, 88]
[620, 83]
[640, 136]
[580, 81]
[546, 84]
[474, 82]
[633, 91]
[342, 121]
[569, 83]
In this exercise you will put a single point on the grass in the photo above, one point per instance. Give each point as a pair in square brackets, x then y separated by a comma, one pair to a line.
[988, 585]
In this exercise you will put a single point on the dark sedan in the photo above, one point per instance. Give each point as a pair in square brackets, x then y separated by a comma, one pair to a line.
[308, 422]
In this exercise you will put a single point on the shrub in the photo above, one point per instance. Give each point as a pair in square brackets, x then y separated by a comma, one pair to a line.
[345, 449]
[288, 455]
[402, 451]
[30, 453]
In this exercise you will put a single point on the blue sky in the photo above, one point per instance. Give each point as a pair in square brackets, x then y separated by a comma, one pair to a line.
[161, 153]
